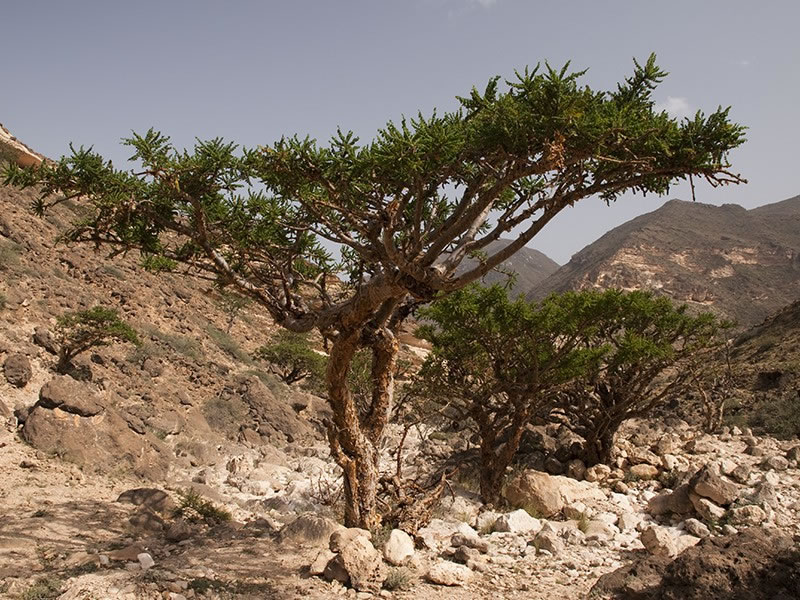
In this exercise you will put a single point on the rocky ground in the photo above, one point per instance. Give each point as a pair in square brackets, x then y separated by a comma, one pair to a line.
[87, 535]
[94, 471]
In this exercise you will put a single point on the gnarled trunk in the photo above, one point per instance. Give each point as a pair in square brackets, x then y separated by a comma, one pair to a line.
[495, 459]
[600, 443]
[354, 438]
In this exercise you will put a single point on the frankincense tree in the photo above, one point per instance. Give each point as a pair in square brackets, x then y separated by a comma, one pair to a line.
[405, 208]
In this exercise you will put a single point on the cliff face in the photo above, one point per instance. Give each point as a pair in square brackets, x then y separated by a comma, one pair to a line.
[741, 264]
[12, 149]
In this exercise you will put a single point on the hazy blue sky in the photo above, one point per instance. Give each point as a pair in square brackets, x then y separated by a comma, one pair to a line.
[92, 71]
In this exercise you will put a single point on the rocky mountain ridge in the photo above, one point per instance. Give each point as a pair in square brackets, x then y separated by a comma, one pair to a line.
[742, 264]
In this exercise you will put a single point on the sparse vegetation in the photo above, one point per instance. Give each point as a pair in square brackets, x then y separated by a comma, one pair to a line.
[227, 344]
[196, 509]
[225, 414]
[181, 344]
[398, 579]
[3, 301]
[45, 588]
[10, 253]
[293, 359]
[80, 331]
[406, 209]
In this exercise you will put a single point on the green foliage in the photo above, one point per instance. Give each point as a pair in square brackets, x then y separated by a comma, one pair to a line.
[196, 509]
[155, 263]
[398, 579]
[652, 350]
[225, 415]
[511, 156]
[228, 345]
[293, 358]
[496, 362]
[9, 255]
[406, 208]
[79, 331]
[45, 588]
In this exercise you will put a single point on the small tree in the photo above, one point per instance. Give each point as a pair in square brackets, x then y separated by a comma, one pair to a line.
[495, 363]
[405, 209]
[652, 349]
[293, 358]
[77, 332]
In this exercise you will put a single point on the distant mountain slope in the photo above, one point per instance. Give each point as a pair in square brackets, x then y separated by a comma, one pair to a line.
[530, 266]
[741, 264]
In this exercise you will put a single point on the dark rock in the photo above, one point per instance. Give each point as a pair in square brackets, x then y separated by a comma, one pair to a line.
[152, 498]
[69, 395]
[69, 421]
[756, 564]
[178, 531]
[709, 484]
[17, 370]
[42, 337]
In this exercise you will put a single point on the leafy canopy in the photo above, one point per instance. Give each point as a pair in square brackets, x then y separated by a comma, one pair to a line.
[293, 358]
[406, 208]
[82, 330]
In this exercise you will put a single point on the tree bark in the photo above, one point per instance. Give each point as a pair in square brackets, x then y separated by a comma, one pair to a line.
[600, 443]
[354, 438]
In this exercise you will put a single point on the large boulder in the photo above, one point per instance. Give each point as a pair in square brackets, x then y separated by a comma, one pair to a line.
[398, 548]
[310, 529]
[677, 502]
[17, 370]
[546, 495]
[72, 422]
[359, 564]
[276, 420]
[708, 483]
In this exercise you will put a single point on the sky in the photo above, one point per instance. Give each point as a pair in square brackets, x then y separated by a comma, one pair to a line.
[90, 72]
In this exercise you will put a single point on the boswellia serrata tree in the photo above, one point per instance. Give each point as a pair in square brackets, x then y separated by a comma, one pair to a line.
[405, 209]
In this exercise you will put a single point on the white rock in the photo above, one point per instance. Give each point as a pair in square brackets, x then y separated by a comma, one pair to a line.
[658, 541]
[145, 561]
[449, 573]
[398, 548]
[518, 521]
[628, 521]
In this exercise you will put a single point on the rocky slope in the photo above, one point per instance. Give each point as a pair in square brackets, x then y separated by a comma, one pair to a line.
[742, 264]
[105, 477]
[529, 267]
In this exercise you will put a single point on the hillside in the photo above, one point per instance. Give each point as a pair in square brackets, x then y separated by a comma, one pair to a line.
[182, 468]
[742, 264]
[528, 266]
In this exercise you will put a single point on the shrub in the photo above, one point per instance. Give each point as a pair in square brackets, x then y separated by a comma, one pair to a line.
[196, 509]
[79, 331]
[45, 588]
[398, 578]
[293, 359]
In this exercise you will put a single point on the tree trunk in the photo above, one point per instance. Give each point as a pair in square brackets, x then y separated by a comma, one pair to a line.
[354, 438]
[600, 443]
[495, 460]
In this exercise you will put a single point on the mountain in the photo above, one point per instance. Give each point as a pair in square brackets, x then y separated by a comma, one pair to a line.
[742, 264]
[530, 267]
